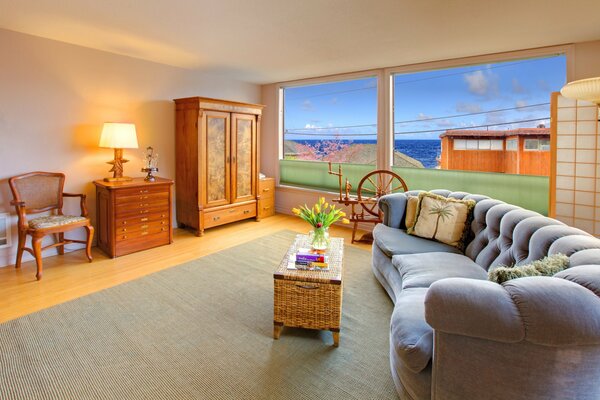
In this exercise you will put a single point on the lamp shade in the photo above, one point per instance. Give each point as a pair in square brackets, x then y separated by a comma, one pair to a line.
[584, 89]
[118, 136]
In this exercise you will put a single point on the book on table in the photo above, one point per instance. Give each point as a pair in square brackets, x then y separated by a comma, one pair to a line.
[305, 259]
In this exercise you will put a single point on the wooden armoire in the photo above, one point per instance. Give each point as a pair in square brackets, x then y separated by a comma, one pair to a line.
[217, 162]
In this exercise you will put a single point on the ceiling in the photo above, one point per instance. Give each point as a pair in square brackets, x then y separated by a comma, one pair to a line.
[264, 41]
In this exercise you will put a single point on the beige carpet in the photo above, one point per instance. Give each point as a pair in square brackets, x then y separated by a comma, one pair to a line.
[201, 330]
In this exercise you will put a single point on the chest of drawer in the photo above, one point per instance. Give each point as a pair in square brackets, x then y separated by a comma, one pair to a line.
[133, 216]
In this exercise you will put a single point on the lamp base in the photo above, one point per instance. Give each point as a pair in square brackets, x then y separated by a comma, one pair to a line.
[119, 179]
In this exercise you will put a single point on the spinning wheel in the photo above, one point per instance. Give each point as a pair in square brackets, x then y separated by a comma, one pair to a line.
[376, 184]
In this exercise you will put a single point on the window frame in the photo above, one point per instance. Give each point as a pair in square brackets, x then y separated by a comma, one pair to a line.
[385, 91]
[326, 80]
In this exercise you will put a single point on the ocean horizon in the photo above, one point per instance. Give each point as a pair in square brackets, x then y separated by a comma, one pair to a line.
[426, 151]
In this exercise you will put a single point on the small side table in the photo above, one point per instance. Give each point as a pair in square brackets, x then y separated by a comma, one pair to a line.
[133, 216]
[309, 299]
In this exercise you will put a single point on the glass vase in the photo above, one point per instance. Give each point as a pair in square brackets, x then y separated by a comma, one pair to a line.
[319, 238]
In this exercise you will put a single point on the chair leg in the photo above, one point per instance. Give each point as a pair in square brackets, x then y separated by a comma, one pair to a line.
[61, 238]
[36, 243]
[88, 246]
[20, 247]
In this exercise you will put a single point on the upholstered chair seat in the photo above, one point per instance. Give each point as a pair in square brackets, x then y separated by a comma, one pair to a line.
[53, 221]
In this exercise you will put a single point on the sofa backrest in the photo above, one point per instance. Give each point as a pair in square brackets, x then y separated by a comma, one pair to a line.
[505, 234]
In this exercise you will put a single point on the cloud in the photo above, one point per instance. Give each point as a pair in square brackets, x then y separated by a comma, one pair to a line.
[517, 87]
[423, 117]
[543, 85]
[520, 104]
[482, 84]
[307, 105]
[462, 107]
[445, 123]
[311, 126]
[493, 119]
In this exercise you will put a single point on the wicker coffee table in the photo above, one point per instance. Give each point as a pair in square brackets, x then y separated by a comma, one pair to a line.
[309, 299]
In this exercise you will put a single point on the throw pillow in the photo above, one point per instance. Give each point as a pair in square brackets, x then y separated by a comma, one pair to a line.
[547, 266]
[411, 211]
[443, 219]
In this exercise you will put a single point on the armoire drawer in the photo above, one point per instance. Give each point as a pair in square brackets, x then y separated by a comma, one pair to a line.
[227, 215]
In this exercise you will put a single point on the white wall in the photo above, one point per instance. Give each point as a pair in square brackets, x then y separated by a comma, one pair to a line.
[54, 98]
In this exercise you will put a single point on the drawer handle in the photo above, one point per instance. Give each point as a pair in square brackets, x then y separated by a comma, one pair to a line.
[163, 229]
[143, 197]
[144, 205]
[216, 218]
[144, 233]
[124, 230]
[144, 219]
[163, 223]
[124, 222]
[124, 237]
[163, 215]
[266, 207]
[144, 212]
[232, 211]
[266, 190]
[310, 287]
[144, 191]
[144, 226]
[246, 211]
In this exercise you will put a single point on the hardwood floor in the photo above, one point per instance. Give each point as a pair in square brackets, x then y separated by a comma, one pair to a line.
[71, 276]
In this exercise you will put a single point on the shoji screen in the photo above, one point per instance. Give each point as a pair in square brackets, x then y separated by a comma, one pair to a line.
[575, 177]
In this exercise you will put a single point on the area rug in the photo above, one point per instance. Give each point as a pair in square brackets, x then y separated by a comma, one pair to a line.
[202, 330]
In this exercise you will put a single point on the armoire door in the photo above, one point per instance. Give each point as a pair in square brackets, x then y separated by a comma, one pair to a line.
[215, 145]
[243, 157]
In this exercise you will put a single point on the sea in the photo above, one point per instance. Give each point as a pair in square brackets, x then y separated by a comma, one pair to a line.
[425, 151]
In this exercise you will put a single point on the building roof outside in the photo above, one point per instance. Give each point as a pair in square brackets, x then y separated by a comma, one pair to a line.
[471, 133]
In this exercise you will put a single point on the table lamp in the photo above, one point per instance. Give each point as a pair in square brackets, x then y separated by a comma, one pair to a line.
[118, 136]
[583, 89]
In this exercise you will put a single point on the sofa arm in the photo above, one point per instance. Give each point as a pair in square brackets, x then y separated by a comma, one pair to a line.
[475, 308]
[393, 207]
[541, 310]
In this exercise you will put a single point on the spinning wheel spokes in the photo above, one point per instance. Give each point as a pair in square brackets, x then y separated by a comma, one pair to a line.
[387, 182]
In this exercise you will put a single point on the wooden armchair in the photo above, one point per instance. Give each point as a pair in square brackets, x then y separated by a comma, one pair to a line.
[38, 192]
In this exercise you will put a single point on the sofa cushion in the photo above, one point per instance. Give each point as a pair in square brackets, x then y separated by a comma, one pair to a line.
[394, 241]
[443, 219]
[421, 270]
[411, 337]
[412, 203]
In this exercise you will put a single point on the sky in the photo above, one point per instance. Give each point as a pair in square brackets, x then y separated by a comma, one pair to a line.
[428, 103]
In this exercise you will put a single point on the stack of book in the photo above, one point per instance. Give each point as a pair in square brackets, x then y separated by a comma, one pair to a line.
[305, 259]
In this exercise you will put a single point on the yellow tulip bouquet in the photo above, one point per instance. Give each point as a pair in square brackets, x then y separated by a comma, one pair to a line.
[320, 216]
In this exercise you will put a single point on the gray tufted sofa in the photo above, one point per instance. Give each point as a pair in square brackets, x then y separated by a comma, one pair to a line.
[456, 336]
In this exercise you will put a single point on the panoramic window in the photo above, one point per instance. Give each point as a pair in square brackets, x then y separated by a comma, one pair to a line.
[334, 121]
[488, 109]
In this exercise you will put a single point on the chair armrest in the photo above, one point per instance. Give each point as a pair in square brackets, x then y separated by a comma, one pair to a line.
[541, 310]
[393, 207]
[21, 214]
[84, 211]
